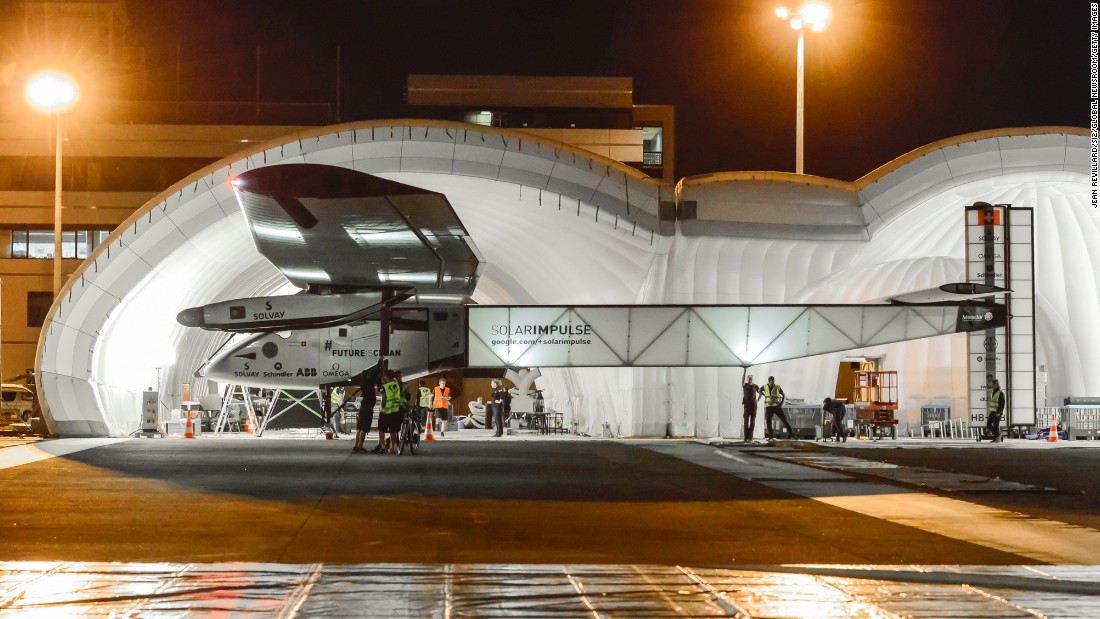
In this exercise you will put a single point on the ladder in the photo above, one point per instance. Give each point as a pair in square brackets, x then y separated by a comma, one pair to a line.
[231, 392]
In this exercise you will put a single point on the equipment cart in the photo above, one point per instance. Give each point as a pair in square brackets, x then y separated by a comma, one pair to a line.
[875, 396]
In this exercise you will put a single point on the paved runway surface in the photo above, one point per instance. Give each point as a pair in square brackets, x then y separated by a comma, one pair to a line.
[598, 515]
[397, 591]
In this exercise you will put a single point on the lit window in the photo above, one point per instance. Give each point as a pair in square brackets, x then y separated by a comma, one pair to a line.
[40, 244]
[82, 245]
[68, 244]
[479, 118]
[18, 244]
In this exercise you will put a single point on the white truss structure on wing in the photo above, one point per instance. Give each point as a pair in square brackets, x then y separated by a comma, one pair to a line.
[691, 336]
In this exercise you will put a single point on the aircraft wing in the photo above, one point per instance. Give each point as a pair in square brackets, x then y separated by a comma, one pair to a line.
[332, 226]
[703, 335]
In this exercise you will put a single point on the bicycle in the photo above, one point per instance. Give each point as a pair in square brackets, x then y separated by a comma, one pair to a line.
[409, 434]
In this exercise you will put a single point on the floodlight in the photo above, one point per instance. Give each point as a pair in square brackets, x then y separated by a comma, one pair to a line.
[816, 14]
[51, 91]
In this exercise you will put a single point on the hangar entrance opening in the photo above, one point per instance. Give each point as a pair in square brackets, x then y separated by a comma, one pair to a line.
[846, 371]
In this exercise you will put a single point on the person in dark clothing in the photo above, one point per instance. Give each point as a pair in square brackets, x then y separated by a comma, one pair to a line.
[773, 407]
[749, 398]
[369, 382]
[500, 402]
[837, 410]
[403, 390]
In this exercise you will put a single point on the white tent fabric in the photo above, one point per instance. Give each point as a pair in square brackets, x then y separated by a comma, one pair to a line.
[561, 226]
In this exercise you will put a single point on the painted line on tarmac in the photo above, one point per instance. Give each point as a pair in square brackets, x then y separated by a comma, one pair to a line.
[1049, 541]
[44, 450]
[726, 454]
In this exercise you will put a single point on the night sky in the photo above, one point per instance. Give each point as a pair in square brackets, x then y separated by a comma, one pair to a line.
[887, 76]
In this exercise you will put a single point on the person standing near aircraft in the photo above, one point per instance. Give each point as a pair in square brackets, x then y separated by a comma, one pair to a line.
[997, 401]
[367, 386]
[389, 420]
[500, 402]
[748, 400]
[336, 401]
[424, 402]
[440, 403]
[837, 410]
[403, 391]
[773, 407]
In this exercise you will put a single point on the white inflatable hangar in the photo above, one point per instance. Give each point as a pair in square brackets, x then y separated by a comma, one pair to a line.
[561, 226]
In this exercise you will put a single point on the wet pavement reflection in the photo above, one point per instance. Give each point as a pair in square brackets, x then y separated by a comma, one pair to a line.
[59, 589]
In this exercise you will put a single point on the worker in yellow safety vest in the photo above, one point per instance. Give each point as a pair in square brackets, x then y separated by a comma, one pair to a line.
[423, 402]
[388, 419]
[997, 401]
[773, 407]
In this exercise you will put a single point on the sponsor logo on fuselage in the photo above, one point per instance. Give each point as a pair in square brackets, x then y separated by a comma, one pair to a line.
[267, 314]
[335, 372]
[265, 374]
[359, 352]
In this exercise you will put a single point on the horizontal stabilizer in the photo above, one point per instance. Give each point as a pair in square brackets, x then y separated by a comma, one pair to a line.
[955, 293]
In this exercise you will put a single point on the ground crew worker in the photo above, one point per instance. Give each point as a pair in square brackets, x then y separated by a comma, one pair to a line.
[369, 382]
[336, 401]
[749, 399]
[836, 408]
[424, 402]
[500, 402]
[441, 402]
[403, 391]
[773, 407]
[997, 401]
[389, 418]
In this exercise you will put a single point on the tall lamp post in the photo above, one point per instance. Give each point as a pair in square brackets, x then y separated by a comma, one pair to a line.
[53, 92]
[815, 16]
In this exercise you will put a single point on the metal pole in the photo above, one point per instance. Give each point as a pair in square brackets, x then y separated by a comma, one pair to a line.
[337, 84]
[800, 105]
[57, 211]
[1, 331]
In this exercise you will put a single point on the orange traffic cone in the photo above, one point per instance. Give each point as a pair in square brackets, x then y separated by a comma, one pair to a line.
[188, 429]
[1053, 436]
[428, 436]
[248, 426]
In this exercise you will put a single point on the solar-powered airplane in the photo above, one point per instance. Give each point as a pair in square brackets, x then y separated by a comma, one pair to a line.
[386, 271]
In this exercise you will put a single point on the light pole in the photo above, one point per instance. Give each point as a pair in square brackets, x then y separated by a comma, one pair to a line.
[816, 16]
[53, 92]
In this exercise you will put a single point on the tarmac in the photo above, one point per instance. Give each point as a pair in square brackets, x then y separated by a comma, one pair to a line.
[55, 589]
[1054, 588]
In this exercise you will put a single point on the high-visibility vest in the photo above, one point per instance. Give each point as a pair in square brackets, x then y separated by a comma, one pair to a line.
[393, 401]
[995, 400]
[771, 394]
[439, 402]
[425, 397]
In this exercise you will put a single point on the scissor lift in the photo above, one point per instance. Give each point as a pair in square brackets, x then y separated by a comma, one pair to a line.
[875, 397]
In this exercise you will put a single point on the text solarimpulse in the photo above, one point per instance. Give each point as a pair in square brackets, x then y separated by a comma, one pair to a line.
[509, 330]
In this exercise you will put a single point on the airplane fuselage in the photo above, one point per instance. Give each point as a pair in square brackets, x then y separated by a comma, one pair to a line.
[311, 357]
